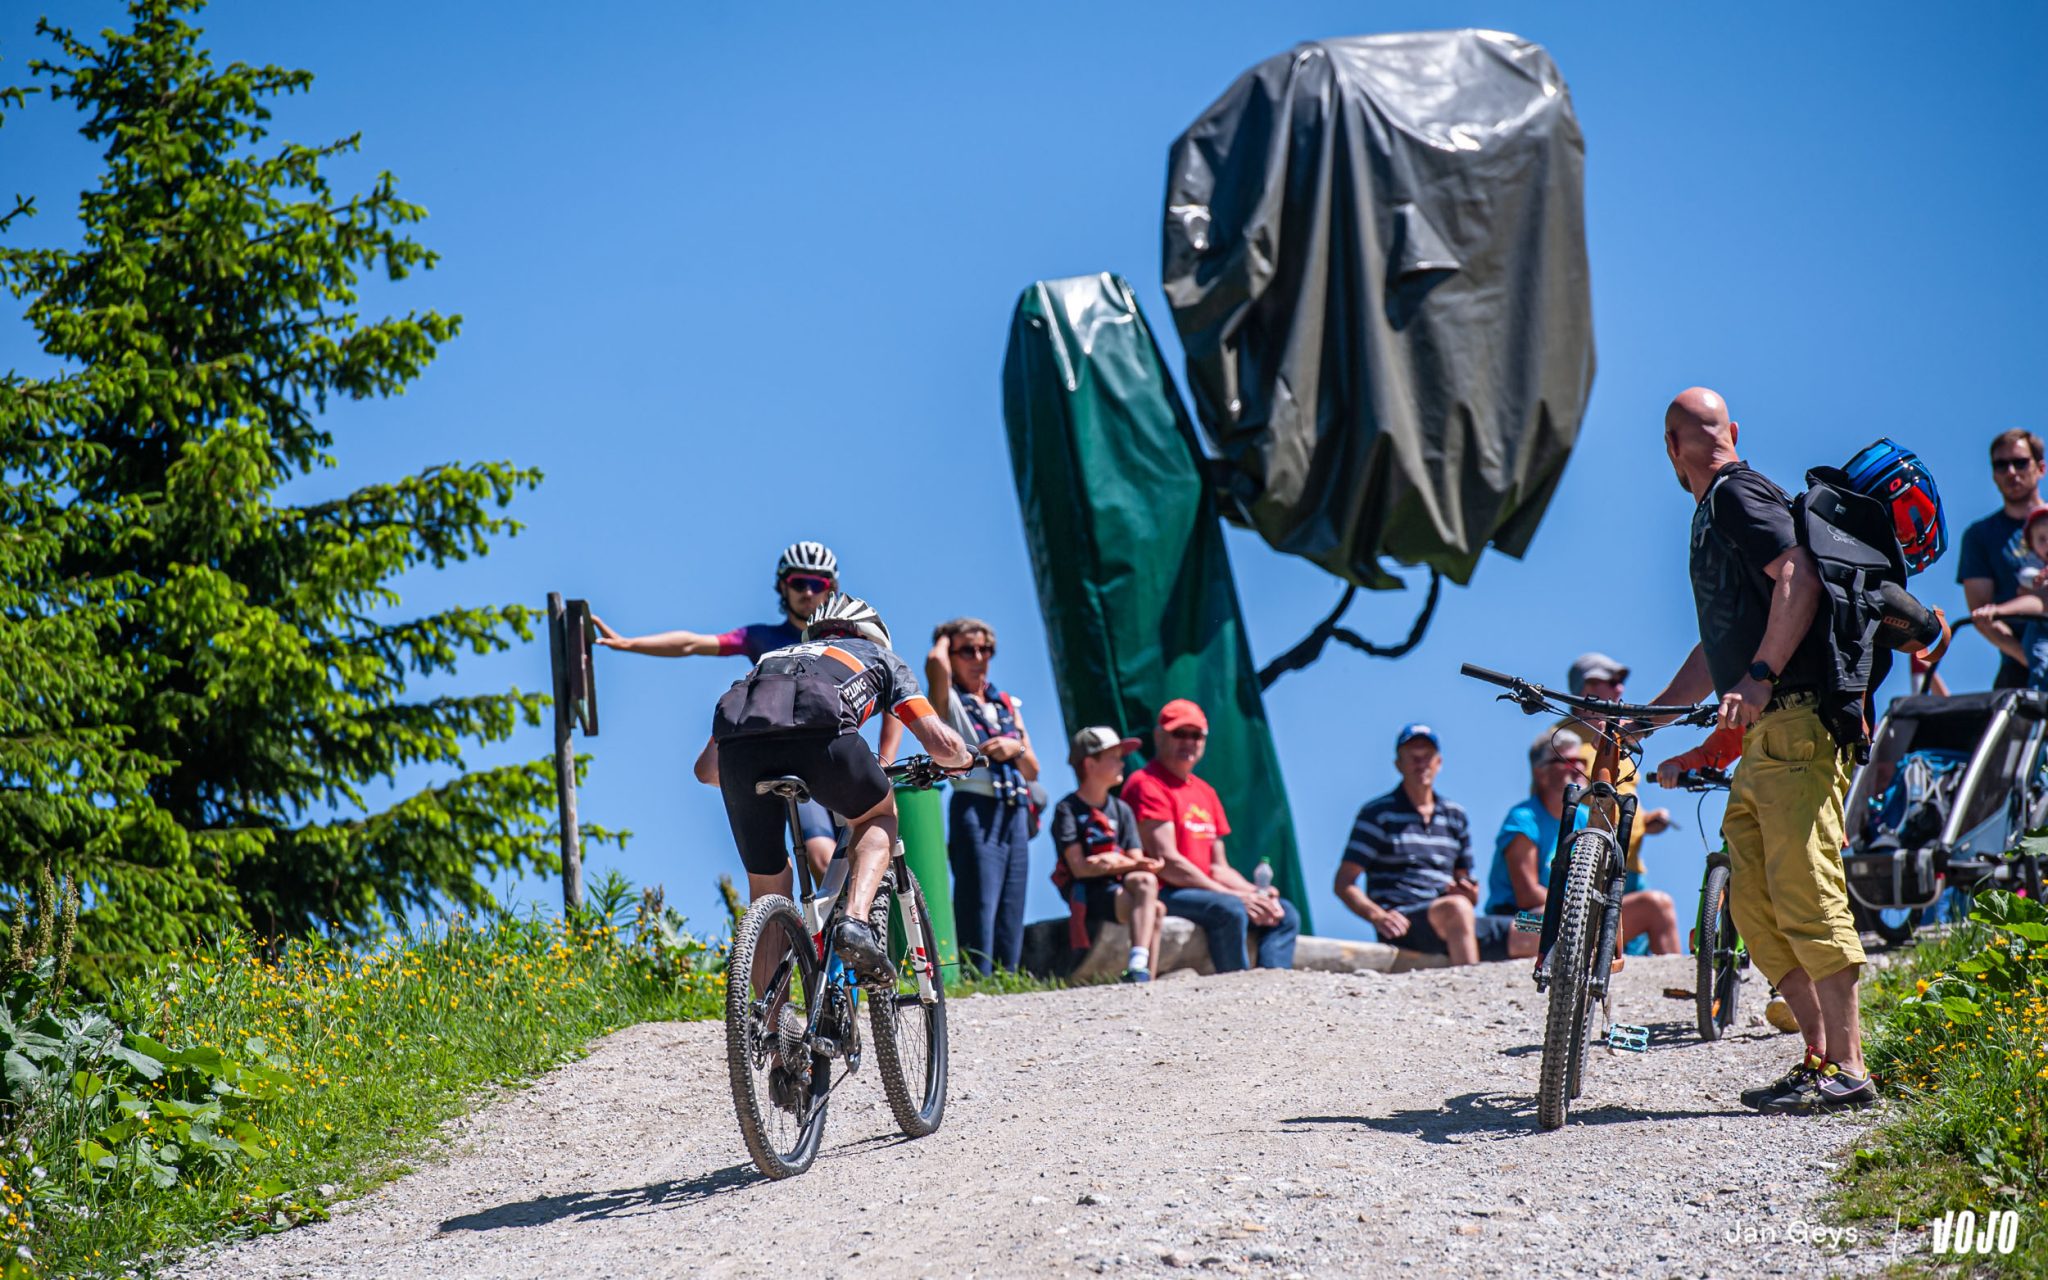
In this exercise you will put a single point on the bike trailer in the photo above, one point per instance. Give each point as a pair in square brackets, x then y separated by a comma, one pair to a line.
[1951, 785]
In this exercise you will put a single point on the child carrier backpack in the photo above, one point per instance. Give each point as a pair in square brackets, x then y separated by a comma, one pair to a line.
[1865, 608]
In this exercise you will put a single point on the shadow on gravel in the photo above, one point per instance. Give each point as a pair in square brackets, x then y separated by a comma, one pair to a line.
[596, 1205]
[1484, 1115]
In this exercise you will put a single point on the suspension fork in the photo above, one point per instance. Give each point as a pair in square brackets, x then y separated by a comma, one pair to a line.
[913, 927]
[1617, 883]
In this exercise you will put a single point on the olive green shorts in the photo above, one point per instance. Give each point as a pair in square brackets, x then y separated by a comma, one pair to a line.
[1786, 887]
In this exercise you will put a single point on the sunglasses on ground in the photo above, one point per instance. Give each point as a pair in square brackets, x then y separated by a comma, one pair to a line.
[804, 582]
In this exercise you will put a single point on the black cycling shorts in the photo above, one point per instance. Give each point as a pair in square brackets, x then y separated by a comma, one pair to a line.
[841, 773]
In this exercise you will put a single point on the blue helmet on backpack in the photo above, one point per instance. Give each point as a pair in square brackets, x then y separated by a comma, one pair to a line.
[1894, 476]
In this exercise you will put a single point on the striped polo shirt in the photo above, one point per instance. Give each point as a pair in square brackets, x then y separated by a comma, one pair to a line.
[1408, 862]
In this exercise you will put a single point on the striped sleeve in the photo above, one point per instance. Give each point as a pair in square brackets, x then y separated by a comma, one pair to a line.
[1368, 839]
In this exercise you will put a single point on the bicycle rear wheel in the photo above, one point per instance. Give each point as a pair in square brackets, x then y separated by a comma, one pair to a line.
[1564, 1025]
[1717, 980]
[771, 980]
[909, 1021]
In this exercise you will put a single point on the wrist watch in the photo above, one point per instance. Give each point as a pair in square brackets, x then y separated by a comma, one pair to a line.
[1761, 671]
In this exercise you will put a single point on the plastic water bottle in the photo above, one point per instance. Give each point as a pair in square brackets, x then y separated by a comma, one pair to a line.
[1263, 876]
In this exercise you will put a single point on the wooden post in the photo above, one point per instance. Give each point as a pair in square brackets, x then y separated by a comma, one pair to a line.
[564, 649]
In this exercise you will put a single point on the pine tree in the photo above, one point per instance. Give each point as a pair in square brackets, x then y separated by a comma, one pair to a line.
[254, 671]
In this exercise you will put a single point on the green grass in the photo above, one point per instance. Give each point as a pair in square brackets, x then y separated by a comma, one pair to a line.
[342, 1062]
[1958, 1034]
[332, 1066]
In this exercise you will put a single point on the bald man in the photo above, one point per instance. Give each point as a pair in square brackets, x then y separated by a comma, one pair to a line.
[1762, 653]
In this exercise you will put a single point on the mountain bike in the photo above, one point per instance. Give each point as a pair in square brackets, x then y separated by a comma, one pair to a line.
[1717, 948]
[1588, 875]
[792, 1005]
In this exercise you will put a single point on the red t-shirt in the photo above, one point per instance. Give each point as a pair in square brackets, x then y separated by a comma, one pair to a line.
[1157, 794]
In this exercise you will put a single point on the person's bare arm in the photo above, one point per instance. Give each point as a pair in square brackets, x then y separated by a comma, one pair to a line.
[662, 644]
[1157, 833]
[1977, 593]
[938, 676]
[1264, 908]
[1389, 924]
[2026, 604]
[1092, 866]
[1027, 759]
[944, 745]
[892, 740]
[706, 767]
[1530, 891]
[1795, 594]
[1691, 684]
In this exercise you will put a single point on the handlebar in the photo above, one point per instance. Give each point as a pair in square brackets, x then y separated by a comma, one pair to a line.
[1535, 699]
[923, 772]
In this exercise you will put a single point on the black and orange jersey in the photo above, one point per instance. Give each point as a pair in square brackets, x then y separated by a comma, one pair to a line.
[870, 677]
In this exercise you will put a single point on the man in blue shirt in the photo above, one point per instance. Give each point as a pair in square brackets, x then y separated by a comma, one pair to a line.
[1522, 852]
[1992, 551]
[1414, 849]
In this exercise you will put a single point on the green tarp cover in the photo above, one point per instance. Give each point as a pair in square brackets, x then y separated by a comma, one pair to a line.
[1133, 576]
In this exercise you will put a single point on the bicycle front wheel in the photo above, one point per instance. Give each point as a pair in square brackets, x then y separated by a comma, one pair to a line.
[1564, 1025]
[771, 980]
[1716, 979]
[909, 1019]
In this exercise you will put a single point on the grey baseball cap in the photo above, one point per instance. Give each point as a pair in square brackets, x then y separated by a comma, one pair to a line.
[1594, 666]
[1099, 738]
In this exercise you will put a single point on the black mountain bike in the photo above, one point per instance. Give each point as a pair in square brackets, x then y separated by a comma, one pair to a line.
[1718, 953]
[792, 1005]
[1588, 874]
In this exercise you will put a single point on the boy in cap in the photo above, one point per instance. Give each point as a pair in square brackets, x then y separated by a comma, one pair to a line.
[1103, 869]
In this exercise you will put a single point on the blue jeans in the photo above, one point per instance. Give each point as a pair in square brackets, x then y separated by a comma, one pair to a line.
[2034, 643]
[988, 844]
[1222, 916]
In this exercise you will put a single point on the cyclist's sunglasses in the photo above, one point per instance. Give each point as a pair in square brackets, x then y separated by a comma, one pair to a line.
[805, 582]
[2013, 464]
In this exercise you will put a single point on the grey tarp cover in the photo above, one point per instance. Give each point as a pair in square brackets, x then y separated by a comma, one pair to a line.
[1140, 607]
[1375, 253]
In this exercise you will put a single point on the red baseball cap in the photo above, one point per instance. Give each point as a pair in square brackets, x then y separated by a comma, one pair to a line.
[2038, 513]
[1182, 714]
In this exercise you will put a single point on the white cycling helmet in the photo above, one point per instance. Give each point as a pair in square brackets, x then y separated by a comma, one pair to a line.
[808, 557]
[842, 614]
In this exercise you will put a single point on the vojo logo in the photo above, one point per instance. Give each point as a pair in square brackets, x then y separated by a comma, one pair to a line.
[1960, 1233]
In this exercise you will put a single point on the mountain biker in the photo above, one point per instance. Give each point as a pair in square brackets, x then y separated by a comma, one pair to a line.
[799, 713]
[1757, 592]
[804, 576]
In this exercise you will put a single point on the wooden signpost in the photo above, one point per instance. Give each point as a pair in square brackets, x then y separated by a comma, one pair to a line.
[569, 636]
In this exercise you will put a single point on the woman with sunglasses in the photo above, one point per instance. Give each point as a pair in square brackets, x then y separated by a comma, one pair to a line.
[806, 574]
[989, 822]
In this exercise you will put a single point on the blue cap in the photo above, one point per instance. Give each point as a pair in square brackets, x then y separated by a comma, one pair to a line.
[1410, 732]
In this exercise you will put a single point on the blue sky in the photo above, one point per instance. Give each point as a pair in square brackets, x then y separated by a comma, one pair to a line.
[735, 276]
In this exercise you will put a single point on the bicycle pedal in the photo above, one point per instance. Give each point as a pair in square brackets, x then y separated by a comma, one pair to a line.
[1528, 922]
[1622, 1036]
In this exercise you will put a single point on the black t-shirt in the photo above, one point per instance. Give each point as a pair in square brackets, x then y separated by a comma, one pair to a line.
[1743, 524]
[1112, 828]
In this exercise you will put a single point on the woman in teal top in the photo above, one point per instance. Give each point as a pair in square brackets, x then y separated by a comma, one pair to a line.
[1520, 876]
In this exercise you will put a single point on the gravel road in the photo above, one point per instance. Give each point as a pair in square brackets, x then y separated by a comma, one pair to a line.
[1265, 1124]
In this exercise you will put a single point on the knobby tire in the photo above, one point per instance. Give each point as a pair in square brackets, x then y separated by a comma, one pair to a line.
[782, 1143]
[1564, 1025]
[1716, 979]
[910, 1036]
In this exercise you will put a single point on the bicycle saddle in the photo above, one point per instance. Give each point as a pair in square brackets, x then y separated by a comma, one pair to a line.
[789, 788]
